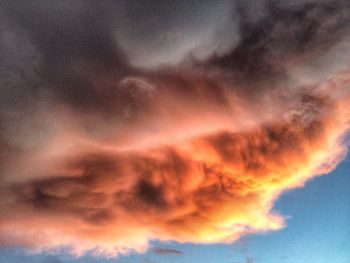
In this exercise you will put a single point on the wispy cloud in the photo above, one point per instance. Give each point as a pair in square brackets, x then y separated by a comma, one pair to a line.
[166, 251]
[51, 259]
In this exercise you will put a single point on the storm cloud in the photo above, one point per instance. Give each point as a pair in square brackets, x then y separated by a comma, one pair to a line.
[107, 144]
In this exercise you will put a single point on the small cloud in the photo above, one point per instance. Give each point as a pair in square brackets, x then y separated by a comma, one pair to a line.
[166, 251]
[147, 260]
[51, 259]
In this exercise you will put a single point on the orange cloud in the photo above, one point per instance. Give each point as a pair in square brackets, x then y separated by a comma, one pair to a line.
[201, 165]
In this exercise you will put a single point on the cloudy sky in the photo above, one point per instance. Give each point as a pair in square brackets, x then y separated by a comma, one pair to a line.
[174, 131]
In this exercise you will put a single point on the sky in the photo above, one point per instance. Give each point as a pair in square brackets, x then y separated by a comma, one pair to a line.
[174, 131]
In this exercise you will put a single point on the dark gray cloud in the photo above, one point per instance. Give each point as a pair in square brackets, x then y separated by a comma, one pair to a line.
[75, 45]
[73, 50]
[282, 36]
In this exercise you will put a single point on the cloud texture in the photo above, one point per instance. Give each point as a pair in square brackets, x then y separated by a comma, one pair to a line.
[100, 154]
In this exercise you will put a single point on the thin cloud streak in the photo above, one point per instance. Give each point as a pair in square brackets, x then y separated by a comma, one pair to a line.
[166, 251]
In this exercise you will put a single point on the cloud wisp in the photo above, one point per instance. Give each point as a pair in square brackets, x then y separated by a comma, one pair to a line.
[166, 251]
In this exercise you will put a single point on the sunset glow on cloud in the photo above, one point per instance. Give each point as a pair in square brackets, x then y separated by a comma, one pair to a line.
[106, 156]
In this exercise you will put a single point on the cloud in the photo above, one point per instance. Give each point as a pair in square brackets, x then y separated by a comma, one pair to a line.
[98, 155]
[51, 259]
[166, 251]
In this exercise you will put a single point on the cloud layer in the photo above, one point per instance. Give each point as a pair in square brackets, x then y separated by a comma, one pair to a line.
[99, 154]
